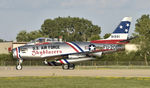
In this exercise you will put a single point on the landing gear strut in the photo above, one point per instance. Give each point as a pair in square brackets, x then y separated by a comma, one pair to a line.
[68, 66]
[19, 66]
[45, 62]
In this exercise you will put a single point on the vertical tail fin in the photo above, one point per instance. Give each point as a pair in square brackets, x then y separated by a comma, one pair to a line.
[119, 34]
[122, 30]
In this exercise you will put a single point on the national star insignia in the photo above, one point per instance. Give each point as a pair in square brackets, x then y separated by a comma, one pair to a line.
[126, 30]
[127, 25]
[121, 26]
[92, 47]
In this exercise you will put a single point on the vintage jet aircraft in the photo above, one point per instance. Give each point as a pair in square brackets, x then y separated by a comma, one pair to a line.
[68, 53]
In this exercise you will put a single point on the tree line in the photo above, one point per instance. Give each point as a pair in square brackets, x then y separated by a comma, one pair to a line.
[70, 28]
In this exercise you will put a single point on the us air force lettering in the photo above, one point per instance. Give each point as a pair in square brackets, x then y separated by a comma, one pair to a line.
[66, 54]
[46, 49]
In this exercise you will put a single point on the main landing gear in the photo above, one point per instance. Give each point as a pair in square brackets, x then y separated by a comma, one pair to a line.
[19, 64]
[68, 66]
[64, 66]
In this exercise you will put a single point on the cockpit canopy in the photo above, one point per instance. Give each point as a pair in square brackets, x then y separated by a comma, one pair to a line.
[42, 40]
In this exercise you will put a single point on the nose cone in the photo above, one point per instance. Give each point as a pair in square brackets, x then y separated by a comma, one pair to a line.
[14, 53]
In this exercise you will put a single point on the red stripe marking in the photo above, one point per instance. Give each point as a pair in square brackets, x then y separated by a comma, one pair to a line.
[109, 41]
[72, 47]
[61, 61]
[17, 52]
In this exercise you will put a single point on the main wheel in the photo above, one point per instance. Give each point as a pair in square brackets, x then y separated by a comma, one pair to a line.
[65, 66]
[19, 67]
[71, 66]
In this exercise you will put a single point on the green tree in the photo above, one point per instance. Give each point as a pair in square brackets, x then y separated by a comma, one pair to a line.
[1, 40]
[71, 28]
[24, 36]
[106, 35]
[94, 37]
[142, 29]
[33, 35]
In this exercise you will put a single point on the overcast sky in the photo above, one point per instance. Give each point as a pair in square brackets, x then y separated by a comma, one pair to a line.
[17, 15]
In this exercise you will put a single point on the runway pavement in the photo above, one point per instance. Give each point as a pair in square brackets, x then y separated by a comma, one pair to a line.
[10, 71]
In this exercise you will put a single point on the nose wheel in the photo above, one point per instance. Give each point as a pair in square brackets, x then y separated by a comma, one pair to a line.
[19, 66]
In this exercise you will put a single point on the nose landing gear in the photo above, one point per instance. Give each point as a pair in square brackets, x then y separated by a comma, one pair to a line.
[19, 64]
[45, 62]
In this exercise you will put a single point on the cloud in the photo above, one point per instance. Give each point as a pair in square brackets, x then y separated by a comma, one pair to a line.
[94, 3]
[25, 3]
[5, 4]
[141, 4]
[74, 4]
[78, 2]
